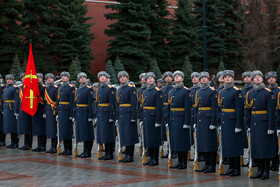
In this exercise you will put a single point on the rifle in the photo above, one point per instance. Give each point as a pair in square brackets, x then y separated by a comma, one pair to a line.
[99, 151]
[119, 144]
[161, 150]
[76, 143]
[140, 137]
[144, 159]
[195, 161]
[221, 167]
[279, 154]
[169, 150]
[250, 174]
[58, 147]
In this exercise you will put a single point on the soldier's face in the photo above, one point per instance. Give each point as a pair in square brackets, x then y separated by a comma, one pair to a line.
[143, 80]
[195, 80]
[123, 79]
[82, 80]
[64, 78]
[40, 79]
[204, 80]
[9, 81]
[102, 78]
[168, 79]
[221, 79]
[271, 80]
[178, 79]
[247, 79]
[159, 84]
[22, 79]
[257, 79]
[49, 80]
[108, 79]
[150, 80]
[228, 79]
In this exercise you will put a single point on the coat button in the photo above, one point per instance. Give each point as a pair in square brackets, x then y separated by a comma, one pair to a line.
[199, 120]
[255, 124]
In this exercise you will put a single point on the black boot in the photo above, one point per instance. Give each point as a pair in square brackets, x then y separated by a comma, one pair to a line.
[207, 162]
[130, 154]
[231, 167]
[236, 170]
[41, 143]
[184, 160]
[53, 149]
[110, 151]
[26, 145]
[180, 156]
[212, 158]
[44, 143]
[155, 157]
[2, 139]
[226, 161]
[87, 152]
[275, 163]
[14, 141]
[151, 152]
[69, 148]
[260, 169]
[126, 154]
[265, 174]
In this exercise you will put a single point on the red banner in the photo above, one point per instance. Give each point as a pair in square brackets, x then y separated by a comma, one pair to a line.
[31, 94]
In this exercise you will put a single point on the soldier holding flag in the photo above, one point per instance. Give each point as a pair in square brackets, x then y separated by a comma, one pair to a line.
[39, 124]
[50, 110]
[24, 121]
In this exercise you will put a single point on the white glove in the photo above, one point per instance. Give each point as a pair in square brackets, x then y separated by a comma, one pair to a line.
[70, 118]
[89, 119]
[157, 125]
[44, 115]
[111, 120]
[194, 126]
[16, 115]
[73, 120]
[56, 118]
[212, 127]
[94, 122]
[186, 126]
[117, 123]
[133, 121]
[270, 132]
[166, 125]
[141, 124]
[249, 130]
[278, 133]
[237, 130]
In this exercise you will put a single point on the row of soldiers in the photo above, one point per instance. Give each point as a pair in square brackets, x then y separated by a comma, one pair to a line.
[211, 119]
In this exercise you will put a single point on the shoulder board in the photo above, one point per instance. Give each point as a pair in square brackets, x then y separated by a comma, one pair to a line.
[236, 88]
[267, 89]
[1, 84]
[110, 86]
[14, 86]
[70, 85]
[55, 85]
[88, 86]
[157, 88]
[185, 87]
[44, 85]
[131, 85]
[172, 85]
[212, 88]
